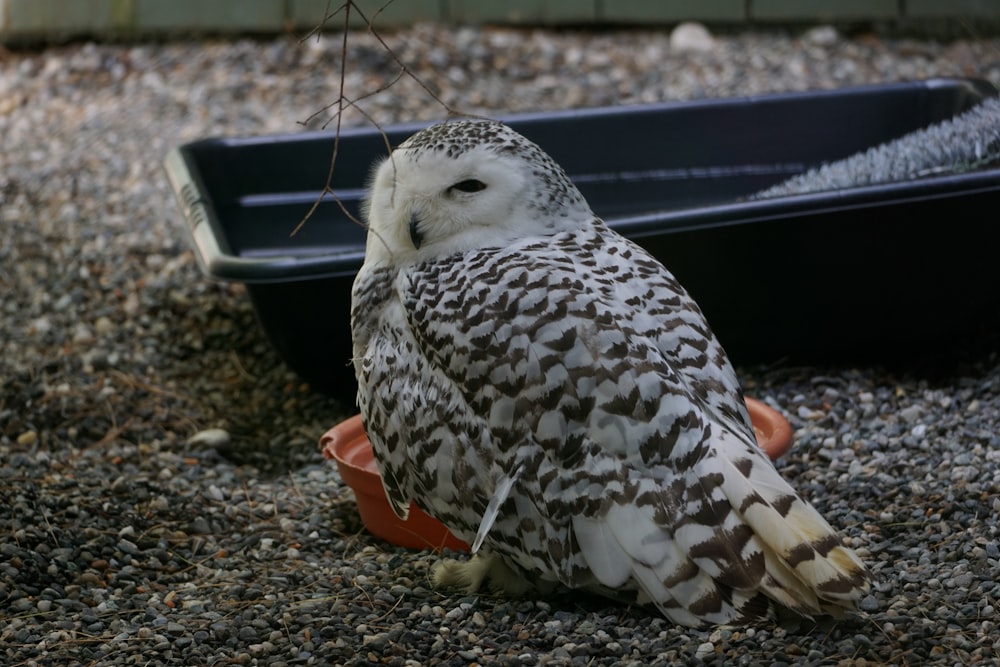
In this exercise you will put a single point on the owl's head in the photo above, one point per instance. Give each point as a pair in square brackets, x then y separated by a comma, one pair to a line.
[465, 185]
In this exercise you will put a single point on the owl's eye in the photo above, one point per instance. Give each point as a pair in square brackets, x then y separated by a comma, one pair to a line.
[469, 185]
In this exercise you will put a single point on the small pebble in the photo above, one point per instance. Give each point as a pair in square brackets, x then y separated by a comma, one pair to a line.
[104, 325]
[824, 35]
[212, 437]
[691, 37]
[869, 603]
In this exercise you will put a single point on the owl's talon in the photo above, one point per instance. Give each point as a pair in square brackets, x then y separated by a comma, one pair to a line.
[470, 575]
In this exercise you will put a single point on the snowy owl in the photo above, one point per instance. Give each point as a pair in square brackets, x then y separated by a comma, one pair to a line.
[548, 390]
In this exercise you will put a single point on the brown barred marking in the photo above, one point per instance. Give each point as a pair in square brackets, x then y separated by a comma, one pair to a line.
[800, 554]
[744, 575]
[708, 604]
[745, 466]
[827, 544]
[751, 499]
[784, 504]
[841, 586]
[687, 571]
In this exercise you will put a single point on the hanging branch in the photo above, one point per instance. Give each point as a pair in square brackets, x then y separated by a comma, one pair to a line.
[344, 102]
[327, 188]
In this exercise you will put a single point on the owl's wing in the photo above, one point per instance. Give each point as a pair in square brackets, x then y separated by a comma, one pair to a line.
[663, 312]
[393, 377]
[653, 467]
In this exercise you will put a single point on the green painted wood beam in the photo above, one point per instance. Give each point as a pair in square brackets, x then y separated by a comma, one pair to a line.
[958, 9]
[671, 11]
[308, 14]
[822, 10]
[203, 15]
[59, 16]
[546, 12]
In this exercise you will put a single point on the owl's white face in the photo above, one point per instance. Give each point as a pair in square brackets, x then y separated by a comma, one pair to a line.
[465, 185]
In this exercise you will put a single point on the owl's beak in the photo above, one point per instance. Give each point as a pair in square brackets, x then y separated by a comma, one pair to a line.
[416, 236]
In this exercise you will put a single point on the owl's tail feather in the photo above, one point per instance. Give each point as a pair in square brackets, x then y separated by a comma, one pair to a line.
[735, 544]
[628, 544]
[808, 568]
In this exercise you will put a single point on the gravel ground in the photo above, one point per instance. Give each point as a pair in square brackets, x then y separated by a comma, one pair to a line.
[125, 540]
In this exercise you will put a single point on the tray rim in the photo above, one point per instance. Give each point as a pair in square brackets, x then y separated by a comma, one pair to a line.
[218, 263]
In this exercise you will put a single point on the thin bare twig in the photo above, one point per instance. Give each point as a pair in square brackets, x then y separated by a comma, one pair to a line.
[344, 102]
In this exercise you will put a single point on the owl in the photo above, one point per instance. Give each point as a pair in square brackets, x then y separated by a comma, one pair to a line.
[547, 389]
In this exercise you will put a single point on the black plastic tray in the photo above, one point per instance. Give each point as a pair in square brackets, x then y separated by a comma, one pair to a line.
[861, 275]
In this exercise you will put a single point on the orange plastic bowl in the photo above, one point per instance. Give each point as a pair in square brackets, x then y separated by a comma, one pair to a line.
[348, 445]
[774, 433]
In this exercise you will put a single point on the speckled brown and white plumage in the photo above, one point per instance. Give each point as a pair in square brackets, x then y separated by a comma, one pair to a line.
[550, 392]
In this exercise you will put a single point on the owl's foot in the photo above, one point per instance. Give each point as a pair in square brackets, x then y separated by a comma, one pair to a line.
[470, 575]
